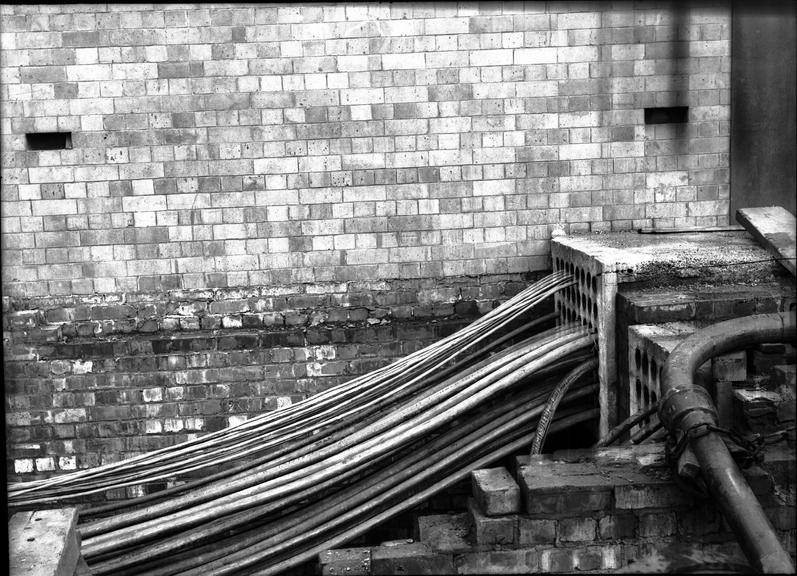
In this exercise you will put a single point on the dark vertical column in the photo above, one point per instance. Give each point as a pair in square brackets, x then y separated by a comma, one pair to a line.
[763, 103]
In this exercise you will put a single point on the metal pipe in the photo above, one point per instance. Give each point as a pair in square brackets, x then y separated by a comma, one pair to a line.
[249, 464]
[687, 408]
[226, 445]
[266, 472]
[626, 425]
[395, 428]
[553, 402]
[500, 450]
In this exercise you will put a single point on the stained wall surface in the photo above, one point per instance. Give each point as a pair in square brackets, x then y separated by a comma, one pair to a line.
[764, 121]
[235, 171]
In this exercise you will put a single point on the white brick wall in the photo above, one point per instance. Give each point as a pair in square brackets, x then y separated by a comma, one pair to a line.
[250, 130]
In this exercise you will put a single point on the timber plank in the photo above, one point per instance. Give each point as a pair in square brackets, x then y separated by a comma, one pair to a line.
[774, 228]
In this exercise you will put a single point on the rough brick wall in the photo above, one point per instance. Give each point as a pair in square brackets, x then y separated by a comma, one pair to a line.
[91, 381]
[223, 157]
[582, 511]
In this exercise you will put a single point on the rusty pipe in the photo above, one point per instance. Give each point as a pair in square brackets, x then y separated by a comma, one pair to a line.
[686, 406]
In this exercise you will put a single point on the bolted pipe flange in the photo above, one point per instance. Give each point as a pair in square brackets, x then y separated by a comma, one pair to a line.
[684, 407]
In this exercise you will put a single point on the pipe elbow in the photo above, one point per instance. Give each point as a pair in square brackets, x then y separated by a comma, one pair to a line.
[685, 403]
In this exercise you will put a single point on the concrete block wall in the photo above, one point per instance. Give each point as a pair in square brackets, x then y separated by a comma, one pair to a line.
[258, 168]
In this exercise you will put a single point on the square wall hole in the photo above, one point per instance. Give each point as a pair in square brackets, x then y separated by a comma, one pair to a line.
[49, 140]
[667, 115]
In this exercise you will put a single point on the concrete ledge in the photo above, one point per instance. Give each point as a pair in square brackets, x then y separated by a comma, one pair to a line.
[43, 543]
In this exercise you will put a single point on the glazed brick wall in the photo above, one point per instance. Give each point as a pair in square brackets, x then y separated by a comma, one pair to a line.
[243, 180]
[271, 144]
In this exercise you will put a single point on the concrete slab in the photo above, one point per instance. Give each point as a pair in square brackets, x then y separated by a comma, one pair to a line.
[43, 543]
[774, 228]
[636, 257]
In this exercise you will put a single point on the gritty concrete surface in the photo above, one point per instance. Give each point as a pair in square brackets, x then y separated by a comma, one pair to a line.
[717, 257]
[43, 543]
[773, 227]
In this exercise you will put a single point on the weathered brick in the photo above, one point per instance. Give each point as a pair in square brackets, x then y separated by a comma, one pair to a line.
[557, 560]
[617, 527]
[498, 562]
[657, 524]
[659, 495]
[492, 530]
[533, 531]
[577, 529]
[410, 558]
[585, 492]
[445, 532]
[496, 491]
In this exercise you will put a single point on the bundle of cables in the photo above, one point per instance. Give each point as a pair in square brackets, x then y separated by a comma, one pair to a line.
[271, 493]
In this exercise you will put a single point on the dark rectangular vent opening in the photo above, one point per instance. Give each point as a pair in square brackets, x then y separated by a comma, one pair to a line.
[668, 115]
[49, 140]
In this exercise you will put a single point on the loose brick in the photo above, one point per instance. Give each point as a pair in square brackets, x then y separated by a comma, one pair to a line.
[495, 491]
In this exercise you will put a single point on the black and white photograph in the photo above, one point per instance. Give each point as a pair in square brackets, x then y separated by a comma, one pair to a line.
[395, 288]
